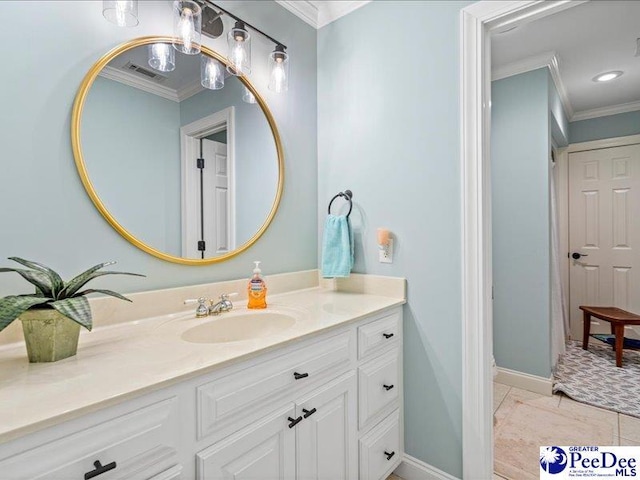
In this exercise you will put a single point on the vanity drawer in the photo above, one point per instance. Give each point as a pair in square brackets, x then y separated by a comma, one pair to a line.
[380, 449]
[219, 402]
[376, 335]
[141, 443]
[378, 385]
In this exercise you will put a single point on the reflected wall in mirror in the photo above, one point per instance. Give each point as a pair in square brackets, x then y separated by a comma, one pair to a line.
[189, 174]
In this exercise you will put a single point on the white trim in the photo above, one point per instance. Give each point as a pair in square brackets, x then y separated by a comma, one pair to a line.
[521, 66]
[319, 14]
[547, 59]
[525, 381]
[606, 111]
[140, 83]
[413, 469]
[475, 96]
[189, 90]
[302, 9]
[604, 143]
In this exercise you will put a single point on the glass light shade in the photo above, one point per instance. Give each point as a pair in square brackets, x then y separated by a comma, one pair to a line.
[211, 73]
[162, 57]
[279, 67]
[187, 26]
[239, 56]
[123, 13]
[248, 97]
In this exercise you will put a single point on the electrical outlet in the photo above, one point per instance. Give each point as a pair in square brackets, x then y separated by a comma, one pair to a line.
[385, 253]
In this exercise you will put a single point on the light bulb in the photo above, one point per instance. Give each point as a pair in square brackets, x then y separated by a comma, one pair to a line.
[162, 57]
[211, 73]
[123, 13]
[248, 97]
[187, 26]
[239, 55]
[279, 62]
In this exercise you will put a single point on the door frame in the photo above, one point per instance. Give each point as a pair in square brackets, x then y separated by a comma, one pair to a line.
[476, 22]
[190, 135]
[563, 194]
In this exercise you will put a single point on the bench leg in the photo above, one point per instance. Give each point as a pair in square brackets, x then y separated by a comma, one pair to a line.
[619, 341]
[586, 328]
[613, 332]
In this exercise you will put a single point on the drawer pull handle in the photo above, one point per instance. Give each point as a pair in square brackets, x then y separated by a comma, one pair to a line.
[389, 455]
[100, 469]
[298, 376]
[308, 413]
[387, 335]
[294, 421]
[387, 387]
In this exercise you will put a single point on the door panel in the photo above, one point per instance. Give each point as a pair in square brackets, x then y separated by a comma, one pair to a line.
[604, 204]
[327, 438]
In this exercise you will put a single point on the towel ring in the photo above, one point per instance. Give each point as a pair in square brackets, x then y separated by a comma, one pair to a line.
[348, 195]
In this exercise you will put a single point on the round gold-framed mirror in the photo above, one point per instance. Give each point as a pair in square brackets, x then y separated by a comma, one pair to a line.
[168, 207]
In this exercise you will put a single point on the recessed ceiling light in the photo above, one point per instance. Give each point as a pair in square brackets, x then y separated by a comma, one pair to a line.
[607, 76]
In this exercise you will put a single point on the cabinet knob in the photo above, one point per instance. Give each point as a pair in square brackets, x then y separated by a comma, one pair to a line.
[100, 469]
[298, 376]
[389, 455]
[387, 387]
[294, 421]
[387, 335]
[308, 413]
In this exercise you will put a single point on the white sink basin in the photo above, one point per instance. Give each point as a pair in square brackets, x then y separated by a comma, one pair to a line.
[232, 327]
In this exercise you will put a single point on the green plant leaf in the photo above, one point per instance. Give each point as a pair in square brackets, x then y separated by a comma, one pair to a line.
[13, 306]
[56, 281]
[106, 292]
[77, 309]
[73, 285]
[41, 281]
[77, 283]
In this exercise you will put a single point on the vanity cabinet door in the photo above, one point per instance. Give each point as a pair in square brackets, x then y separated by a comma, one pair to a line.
[327, 435]
[265, 449]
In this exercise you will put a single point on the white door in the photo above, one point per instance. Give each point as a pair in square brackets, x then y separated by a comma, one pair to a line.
[216, 204]
[265, 450]
[327, 435]
[604, 227]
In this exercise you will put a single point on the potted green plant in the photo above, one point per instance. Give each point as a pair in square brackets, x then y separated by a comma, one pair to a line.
[51, 317]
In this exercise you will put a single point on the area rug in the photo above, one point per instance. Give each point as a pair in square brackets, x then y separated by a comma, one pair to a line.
[591, 376]
[519, 436]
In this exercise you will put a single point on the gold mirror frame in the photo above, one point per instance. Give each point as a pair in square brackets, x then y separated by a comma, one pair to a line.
[76, 117]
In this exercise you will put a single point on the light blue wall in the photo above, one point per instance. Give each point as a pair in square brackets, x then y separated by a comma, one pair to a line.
[520, 212]
[611, 126]
[137, 178]
[256, 158]
[46, 214]
[389, 130]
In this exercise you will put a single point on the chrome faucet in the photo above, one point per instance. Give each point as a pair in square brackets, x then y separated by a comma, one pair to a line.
[223, 305]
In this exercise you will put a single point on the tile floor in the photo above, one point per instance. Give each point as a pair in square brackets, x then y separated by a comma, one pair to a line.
[626, 429]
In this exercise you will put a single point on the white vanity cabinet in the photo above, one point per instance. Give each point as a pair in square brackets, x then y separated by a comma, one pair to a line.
[328, 407]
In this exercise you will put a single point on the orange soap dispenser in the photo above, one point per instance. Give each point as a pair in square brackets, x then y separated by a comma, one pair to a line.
[257, 289]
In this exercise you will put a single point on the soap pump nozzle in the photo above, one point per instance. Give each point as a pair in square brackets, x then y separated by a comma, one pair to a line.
[257, 269]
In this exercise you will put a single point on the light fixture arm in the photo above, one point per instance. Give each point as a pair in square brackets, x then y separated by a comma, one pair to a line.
[238, 19]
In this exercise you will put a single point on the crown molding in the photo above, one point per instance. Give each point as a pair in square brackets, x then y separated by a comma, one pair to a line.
[189, 90]
[302, 9]
[548, 60]
[138, 82]
[319, 14]
[606, 111]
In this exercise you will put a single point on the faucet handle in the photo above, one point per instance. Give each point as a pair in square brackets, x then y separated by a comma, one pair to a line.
[202, 310]
[225, 296]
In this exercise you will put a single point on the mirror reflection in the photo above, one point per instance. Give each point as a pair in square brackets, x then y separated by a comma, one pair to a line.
[190, 171]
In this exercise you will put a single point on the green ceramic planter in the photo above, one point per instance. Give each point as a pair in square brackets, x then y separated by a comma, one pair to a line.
[49, 335]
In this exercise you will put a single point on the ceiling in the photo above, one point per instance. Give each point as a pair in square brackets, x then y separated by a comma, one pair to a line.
[588, 39]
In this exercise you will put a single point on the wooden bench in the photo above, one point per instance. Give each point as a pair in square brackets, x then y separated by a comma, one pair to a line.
[617, 317]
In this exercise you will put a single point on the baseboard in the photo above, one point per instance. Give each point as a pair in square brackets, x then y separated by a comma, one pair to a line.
[413, 469]
[525, 381]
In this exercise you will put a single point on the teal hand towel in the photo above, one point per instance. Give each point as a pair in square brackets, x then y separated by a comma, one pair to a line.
[337, 247]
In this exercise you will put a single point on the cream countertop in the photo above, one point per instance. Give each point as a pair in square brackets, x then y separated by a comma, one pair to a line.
[119, 362]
